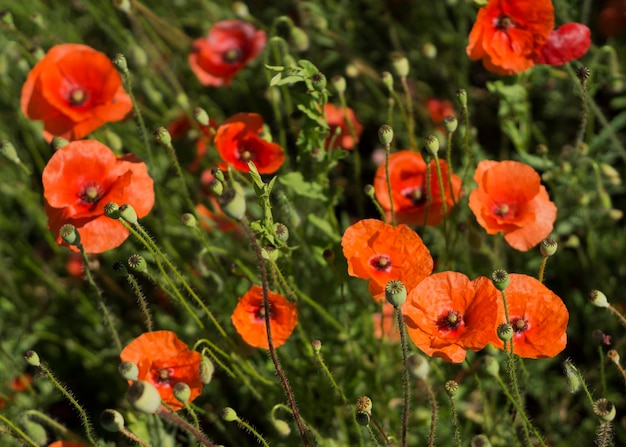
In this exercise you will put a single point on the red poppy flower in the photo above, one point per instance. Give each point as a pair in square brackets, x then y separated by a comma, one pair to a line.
[538, 316]
[446, 314]
[66, 444]
[74, 90]
[382, 252]
[80, 179]
[230, 45]
[409, 191]
[199, 135]
[564, 44]
[438, 109]
[249, 318]
[508, 34]
[238, 142]
[336, 119]
[164, 360]
[511, 199]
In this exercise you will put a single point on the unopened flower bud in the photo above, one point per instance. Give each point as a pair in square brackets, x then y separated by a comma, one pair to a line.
[69, 234]
[233, 204]
[319, 81]
[7, 19]
[573, 378]
[128, 214]
[8, 151]
[112, 210]
[461, 96]
[36, 431]
[229, 415]
[400, 65]
[128, 370]
[339, 82]
[362, 418]
[216, 187]
[364, 404]
[429, 50]
[613, 356]
[144, 397]
[548, 247]
[182, 392]
[119, 60]
[189, 220]
[241, 10]
[218, 174]
[387, 79]
[418, 366]
[112, 420]
[201, 116]
[500, 279]
[299, 39]
[450, 123]
[281, 427]
[317, 346]
[162, 136]
[385, 134]
[58, 142]
[505, 332]
[480, 441]
[598, 299]
[37, 19]
[369, 190]
[604, 409]
[206, 370]
[432, 145]
[32, 358]
[395, 293]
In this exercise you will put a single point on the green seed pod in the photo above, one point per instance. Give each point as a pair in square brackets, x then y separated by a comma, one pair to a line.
[233, 204]
[500, 279]
[119, 60]
[451, 387]
[137, 263]
[432, 145]
[362, 418]
[339, 82]
[112, 420]
[395, 293]
[450, 123]
[418, 366]
[162, 136]
[282, 232]
[128, 370]
[548, 247]
[364, 404]
[505, 332]
[461, 96]
[112, 210]
[400, 65]
[69, 234]
[319, 81]
[189, 220]
[144, 397]
[604, 409]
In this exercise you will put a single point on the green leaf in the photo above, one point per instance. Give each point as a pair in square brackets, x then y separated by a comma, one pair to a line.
[296, 181]
[324, 226]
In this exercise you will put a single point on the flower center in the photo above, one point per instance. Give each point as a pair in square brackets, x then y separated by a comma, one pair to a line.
[502, 210]
[91, 193]
[78, 96]
[381, 263]
[519, 325]
[232, 56]
[503, 22]
[415, 195]
[246, 155]
[450, 321]
[260, 312]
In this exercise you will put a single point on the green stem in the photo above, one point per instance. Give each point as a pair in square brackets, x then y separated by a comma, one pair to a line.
[142, 125]
[249, 428]
[432, 400]
[542, 268]
[409, 107]
[141, 300]
[172, 153]
[449, 160]
[331, 379]
[25, 438]
[405, 378]
[388, 181]
[372, 435]
[455, 422]
[177, 420]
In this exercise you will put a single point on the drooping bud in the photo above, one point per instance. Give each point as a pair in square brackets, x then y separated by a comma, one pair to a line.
[233, 204]
[572, 375]
[229, 415]
[36, 431]
[299, 39]
[32, 358]
[548, 247]
[128, 370]
[418, 366]
[128, 214]
[144, 397]
[385, 134]
[395, 293]
[201, 116]
[598, 299]
[282, 427]
[112, 420]
[182, 392]
[500, 279]
[206, 370]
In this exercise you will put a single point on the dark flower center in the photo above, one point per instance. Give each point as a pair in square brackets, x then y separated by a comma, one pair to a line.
[503, 22]
[246, 155]
[163, 376]
[78, 96]
[415, 195]
[503, 210]
[260, 312]
[382, 263]
[92, 192]
[232, 56]
[450, 321]
[519, 324]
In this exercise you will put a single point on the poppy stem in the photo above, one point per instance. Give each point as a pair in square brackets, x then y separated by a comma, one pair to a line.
[108, 318]
[250, 429]
[388, 180]
[20, 434]
[141, 300]
[286, 408]
[542, 268]
[449, 160]
[432, 400]
[410, 125]
[133, 437]
[177, 420]
[272, 351]
[617, 313]
[405, 377]
[179, 172]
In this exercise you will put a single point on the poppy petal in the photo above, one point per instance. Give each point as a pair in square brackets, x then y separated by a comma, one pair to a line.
[566, 43]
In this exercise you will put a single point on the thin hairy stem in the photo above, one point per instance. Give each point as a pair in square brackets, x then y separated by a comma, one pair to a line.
[405, 378]
[177, 420]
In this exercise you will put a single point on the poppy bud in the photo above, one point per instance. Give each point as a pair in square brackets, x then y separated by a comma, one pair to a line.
[32, 358]
[7, 19]
[480, 441]
[339, 82]
[429, 50]
[387, 79]
[137, 263]
[112, 420]
[395, 293]
[37, 19]
[233, 204]
[364, 404]
[385, 134]
[400, 65]
[616, 214]
[122, 5]
[58, 142]
[317, 346]
[201, 116]
[500, 279]
[548, 247]
[206, 370]
[282, 232]
[189, 220]
[270, 253]
[69, 234]
[329, 255]
[505, 332]
[8, 151]
[216, 187]
[144, 397]
[319, 81]
[218, 174]
[241, 10]
[128, 214]
[35, 431]
[461, 96]
[491, 366]
[182, 392]
[128, 370]
[299, 39]
[432, 145]
[162, 136]
[229, 415]
[573, 378]
[282, 428]
[119, 60]
[369, 190]
[598, 299]
[451, 387]
[418, 366]
[362, 418]
[112, 210]
[450, 123]
[604, 409]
